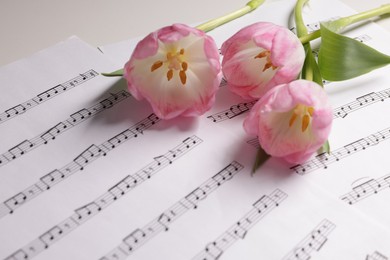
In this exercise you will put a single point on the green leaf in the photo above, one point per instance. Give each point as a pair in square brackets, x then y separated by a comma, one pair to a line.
[342, 58]
[117, 73]
[261, 158]
[325, 148]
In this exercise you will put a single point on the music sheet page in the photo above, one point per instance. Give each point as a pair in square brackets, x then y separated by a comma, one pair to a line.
[88, 172]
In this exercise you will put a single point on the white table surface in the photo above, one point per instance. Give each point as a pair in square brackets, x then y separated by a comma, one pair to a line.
[29, 26]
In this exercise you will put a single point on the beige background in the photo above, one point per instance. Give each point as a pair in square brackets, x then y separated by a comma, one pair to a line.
[27, 26]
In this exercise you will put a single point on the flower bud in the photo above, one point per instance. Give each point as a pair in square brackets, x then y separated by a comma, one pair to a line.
[177, 70]
[260, 57]
[292, 120]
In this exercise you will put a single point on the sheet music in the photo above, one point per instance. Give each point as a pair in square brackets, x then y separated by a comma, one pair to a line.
[88, 172]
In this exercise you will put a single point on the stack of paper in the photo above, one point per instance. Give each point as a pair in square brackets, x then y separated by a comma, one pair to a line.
[88, 172]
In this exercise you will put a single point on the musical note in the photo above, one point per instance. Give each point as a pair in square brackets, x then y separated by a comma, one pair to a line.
[51, 134]
[50, 236]
[80, 115]
[195, 196]
[363, 38]
[314, 241]
[117, 191]
[46, 95]
[232, 112]
[15, 201]
[240, 230]
[261, 207]
[51, 179]
[87, 211]
[166, 218]
[140, 236]
[19, 150]
[213, 251]
[323, 161]
[91, 209]
[19, 199]
[134, 238]
[87, 156]
[162, 159]
[16, 110]
[342, 111]
[365, 189]
[306, 167]
[311, 27]
[18, 255]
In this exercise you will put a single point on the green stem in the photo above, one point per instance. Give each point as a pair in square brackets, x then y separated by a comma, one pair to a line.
[341, 23]
[212, 24]
[307, 70]
[309, 37]
[301, 27]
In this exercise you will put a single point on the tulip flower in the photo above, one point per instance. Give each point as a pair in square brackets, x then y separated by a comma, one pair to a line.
[291, 120]
[260, 57]
[177, 69]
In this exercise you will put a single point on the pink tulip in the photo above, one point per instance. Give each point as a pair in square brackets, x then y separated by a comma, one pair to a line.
[176, 69]
[260, 57]
[291, 120]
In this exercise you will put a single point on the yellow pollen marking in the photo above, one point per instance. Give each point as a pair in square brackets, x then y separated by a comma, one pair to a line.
[303, 112]
[305, 122]
[184, 65]
[183, 77]
[262, 54]
[268, 65]
[170, 74]
[174, 61]
[310, 110]
[156, 65]
[266, 54]
[292, 119]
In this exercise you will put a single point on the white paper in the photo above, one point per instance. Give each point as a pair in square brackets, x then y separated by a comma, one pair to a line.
[104, 175]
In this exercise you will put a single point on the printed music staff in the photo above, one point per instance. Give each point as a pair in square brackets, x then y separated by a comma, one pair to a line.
[365, 189]
[314, 241]
[361, 102]
[339, 112]
[89, 155]
[91, 209]
[325, 159]
[140, 236]
[46, 95]
[51, 134]
[232, 112]
[261, 207]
